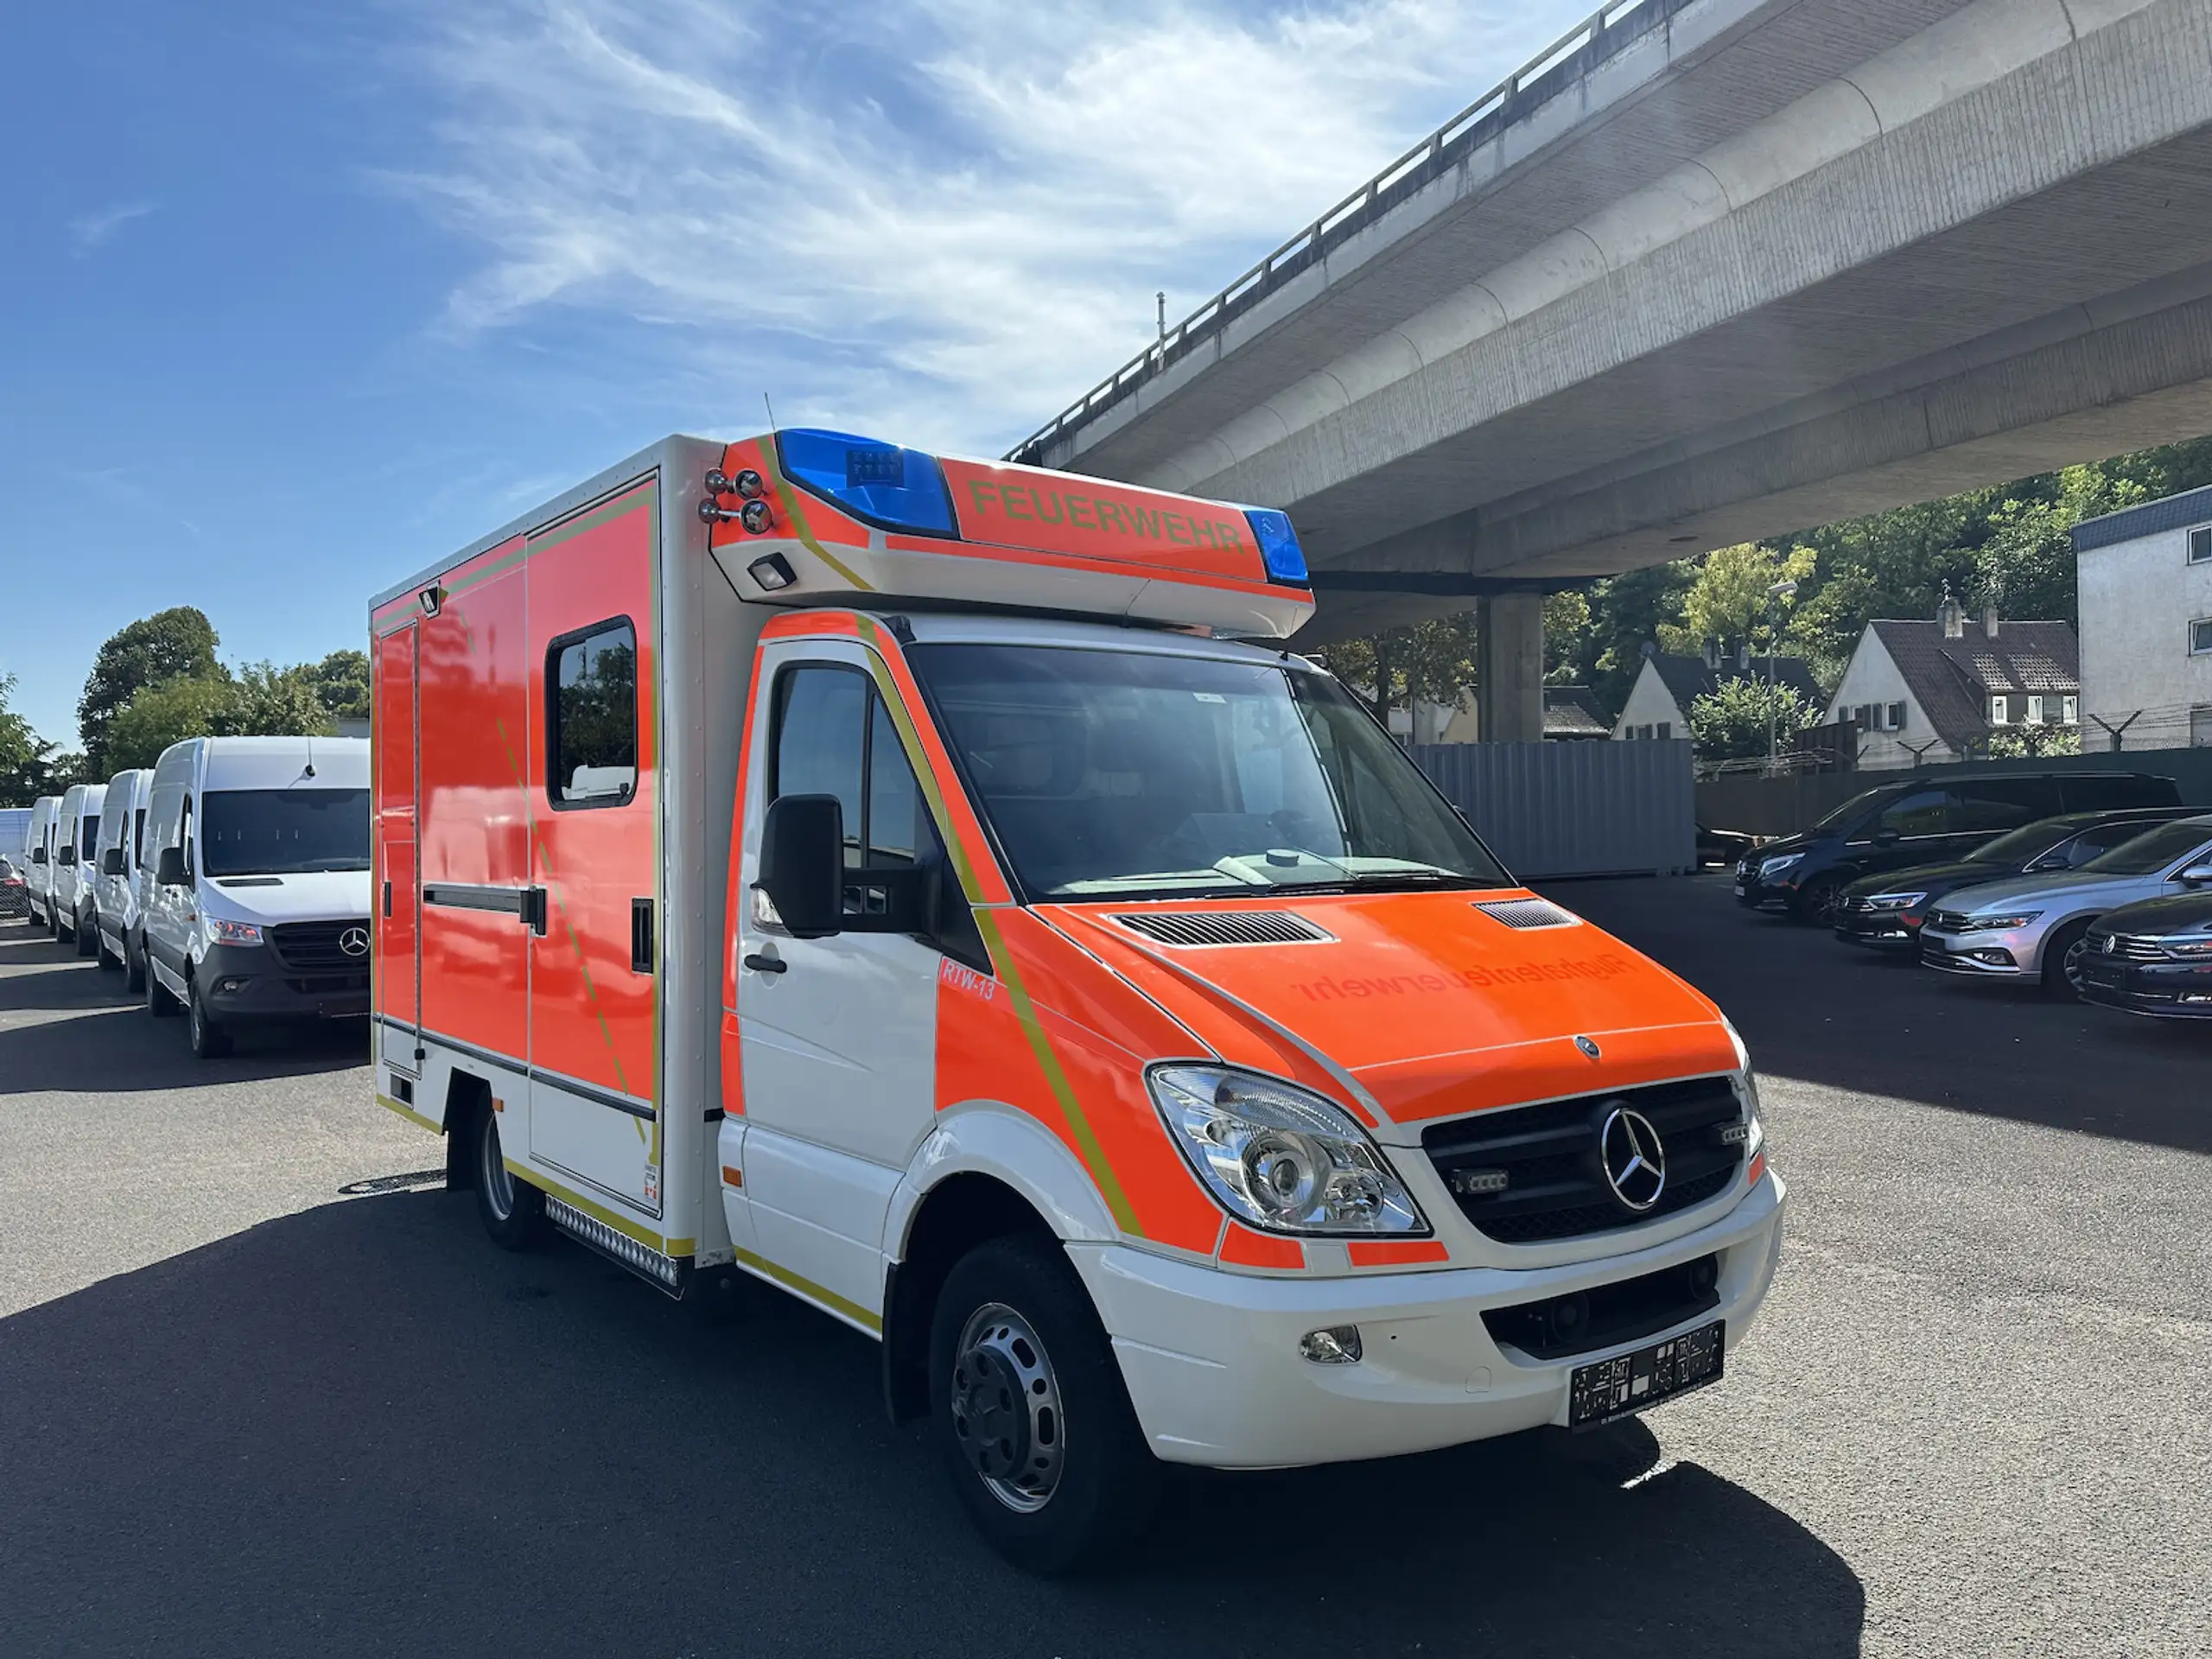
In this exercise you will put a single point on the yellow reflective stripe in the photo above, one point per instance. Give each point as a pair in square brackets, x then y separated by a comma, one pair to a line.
[1055, 1077]
[808, 1288]
[789, 502]
[621, 507]
[620, 1223]
[385, 1100]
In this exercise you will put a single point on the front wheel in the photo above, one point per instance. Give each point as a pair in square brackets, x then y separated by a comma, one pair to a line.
[134, 967]
[513, 1211]
[87, 939]
[2061, 962]
[1029, 1410]
[1819, 905]
[209, 1040]
[159, 1002]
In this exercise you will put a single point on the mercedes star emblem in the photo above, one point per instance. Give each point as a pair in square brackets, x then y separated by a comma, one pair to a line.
[355, 941]
[1635, 1159]
[1588, 1047]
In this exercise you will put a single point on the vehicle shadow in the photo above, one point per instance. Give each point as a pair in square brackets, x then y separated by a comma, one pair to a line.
[1811, 1008]
[362, 1430]
[122, 1050]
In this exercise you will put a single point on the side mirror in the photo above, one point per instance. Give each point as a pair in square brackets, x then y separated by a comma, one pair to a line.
[38, 855]
[69, 854]
[168, 870]
[2197, 874]
[111, 861]
[803, 864]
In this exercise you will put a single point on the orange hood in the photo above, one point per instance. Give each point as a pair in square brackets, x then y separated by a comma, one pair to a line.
[1432, 1006]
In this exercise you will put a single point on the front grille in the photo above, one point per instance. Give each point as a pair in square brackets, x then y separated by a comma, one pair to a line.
[328, 984]
[1189, 927]
[1604, 1314]
[1947, 921]
[1555, 1185]
[1527, 912]
[2137, 949]
[312, 947]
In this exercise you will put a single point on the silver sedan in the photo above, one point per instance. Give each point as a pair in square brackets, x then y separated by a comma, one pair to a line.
[2033, 927]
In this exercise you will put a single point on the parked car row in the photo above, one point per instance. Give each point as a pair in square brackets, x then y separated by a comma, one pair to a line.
[229, 881]
[2108, 897]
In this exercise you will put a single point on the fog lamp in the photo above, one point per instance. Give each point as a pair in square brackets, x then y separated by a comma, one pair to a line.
[1335, 1344]
[772, 572]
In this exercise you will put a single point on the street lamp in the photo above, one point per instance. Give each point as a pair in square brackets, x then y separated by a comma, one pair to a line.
[1775, 593]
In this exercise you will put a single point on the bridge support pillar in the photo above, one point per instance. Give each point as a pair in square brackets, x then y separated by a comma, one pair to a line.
[1509, 667]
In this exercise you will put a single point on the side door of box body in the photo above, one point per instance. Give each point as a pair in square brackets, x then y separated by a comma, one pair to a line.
[594, 784]
[472, 805]
[398, 893]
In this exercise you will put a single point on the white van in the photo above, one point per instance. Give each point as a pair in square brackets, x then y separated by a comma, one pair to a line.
[76, 841]
[116, 884]
[258, 908]
[38, 859]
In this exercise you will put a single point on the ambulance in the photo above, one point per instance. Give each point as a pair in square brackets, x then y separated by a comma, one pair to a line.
[933, 887]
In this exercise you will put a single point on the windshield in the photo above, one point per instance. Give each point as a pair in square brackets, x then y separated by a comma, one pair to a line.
[2151, 852]
[1844, 814]
[1142, 773]
[284, 831]
[2029, 841]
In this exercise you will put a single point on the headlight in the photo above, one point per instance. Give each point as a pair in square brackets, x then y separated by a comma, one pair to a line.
[1772, 867]
[1894, 900]
[226, 932]
[2000, 924]
[1280, 1156]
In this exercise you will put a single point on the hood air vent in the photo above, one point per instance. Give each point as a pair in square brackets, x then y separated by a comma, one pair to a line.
[1190, 927]
[1528, 912]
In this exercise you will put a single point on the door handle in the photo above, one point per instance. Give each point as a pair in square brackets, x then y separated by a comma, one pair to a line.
[532, 910]
[761, 964]
[387, 899]
[641, 936]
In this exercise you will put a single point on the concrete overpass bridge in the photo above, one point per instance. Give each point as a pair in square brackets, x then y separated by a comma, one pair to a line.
[1707, 271]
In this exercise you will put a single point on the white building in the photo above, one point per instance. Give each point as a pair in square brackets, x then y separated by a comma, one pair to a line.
[2144, 582]
[1658, 703]
[1926, 692]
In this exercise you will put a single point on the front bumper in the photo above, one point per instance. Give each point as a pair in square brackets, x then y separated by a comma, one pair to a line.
[249, 982]
[2165, 990]
[1880, 930]
[1755, 894]
[1212, 1366]
[1983, 954]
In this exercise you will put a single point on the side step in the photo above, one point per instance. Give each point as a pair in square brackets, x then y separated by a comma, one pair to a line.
[668, 1272]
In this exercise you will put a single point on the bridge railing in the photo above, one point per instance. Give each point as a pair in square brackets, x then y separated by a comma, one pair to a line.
[1606, 31]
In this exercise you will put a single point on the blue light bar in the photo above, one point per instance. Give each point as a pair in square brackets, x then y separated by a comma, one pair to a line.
[878, 483]
[1279, 550]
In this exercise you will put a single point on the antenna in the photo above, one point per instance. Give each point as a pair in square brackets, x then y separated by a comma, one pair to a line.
[1161, 299]
[771, 411]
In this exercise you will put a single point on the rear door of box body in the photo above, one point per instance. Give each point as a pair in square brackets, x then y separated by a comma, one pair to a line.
[399, 893]
[595, 850]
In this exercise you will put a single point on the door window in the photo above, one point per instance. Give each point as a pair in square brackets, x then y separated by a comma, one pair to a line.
[822, 730]
[138, 838]
[1924, 812]
[2005, 803]
[591, 716]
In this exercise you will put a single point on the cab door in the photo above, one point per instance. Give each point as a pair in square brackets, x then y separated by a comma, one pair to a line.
[399, 891]
[837, 1036]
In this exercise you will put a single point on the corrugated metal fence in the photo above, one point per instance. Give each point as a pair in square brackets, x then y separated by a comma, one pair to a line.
[1574, 808]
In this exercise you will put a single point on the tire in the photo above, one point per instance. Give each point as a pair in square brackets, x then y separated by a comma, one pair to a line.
[88, 939]
[135, 976]
[209, 1040]
[101, 955]
[159, 1002]
[52, 919]
[513, 1211]
[1062, 1478]
[2061, 957]
[1817, 904]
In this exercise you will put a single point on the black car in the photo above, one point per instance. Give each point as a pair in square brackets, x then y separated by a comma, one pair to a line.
[1918, 820]
[1886, 911]
[1723, 846]
[2154, 958]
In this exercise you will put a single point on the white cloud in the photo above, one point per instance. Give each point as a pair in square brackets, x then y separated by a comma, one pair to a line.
[942, 219]
[88, 232]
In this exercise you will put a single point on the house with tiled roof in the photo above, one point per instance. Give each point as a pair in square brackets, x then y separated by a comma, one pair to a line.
[1658, 703]
[1929, 692]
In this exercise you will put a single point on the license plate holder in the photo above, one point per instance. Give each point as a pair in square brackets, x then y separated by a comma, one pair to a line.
[1610, 1389]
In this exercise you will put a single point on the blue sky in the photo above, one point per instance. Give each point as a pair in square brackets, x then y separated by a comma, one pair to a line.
[295, 298]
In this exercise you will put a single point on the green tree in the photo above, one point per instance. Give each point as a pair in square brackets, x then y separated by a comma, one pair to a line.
[341, 682]
[1729, 601]
[271, 702]
[177, 642]
[2033, 742]
[1730, 723]
[26, 758]
[158, 716]
[1566, 622]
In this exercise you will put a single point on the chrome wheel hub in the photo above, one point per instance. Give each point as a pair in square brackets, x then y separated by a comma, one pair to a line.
[1005, 1409]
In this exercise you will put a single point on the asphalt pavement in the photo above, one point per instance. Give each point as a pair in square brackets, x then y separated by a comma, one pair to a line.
[244, 1411]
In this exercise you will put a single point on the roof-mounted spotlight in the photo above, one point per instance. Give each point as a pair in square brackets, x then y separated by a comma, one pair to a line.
[432, 600]
[755, 516]
[746, 483]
